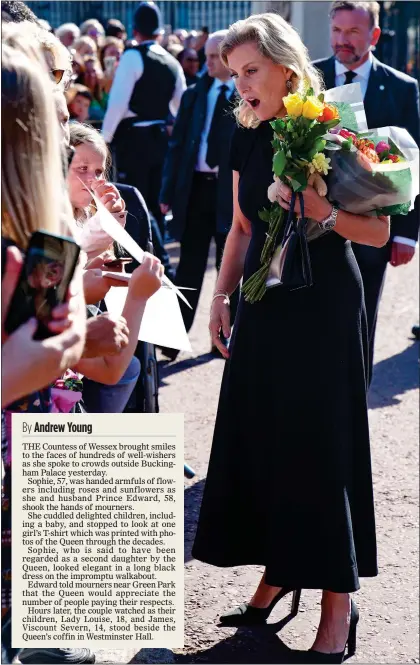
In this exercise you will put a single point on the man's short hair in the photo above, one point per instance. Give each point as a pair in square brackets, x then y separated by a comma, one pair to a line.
[372, 8]
[15, 11]
[114, 27]
[219, 35]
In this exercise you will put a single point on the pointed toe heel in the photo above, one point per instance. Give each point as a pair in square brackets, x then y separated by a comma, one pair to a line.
[350, 645]
[248, 615]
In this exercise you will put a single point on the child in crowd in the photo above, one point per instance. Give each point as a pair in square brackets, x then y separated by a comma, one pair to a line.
[79, 99]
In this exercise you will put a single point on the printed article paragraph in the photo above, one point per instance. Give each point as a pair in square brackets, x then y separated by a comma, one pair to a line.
[97, 534]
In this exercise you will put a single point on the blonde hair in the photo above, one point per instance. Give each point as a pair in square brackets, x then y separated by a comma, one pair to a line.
[85, 40]
[32, 181]
[278, 41]
[82, 134]
[55, 54]
[92, 23]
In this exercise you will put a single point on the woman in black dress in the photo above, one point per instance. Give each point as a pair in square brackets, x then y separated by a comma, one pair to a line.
[289, 484]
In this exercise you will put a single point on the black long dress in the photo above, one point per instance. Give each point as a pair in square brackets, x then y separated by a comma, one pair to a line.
[289, 483]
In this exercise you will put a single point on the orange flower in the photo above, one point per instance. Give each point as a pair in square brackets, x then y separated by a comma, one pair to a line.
[329, 113]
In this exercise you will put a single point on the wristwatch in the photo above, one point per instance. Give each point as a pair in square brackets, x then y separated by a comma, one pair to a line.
[329, 222]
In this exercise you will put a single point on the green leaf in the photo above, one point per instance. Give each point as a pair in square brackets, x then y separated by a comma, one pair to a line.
[310, 92]
[312, 153]
[321, 97]
[297, 143]
[299, 182]
[264, 214]
[279, 162]
[278, 125]
[314, 133]
[331, 123]
[320, 145]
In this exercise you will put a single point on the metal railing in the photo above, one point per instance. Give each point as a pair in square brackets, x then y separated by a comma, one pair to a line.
[188, 14]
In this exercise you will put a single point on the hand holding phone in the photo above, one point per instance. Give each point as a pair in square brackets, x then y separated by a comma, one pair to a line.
[43, 282]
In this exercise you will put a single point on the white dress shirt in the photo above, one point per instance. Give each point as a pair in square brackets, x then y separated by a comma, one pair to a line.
[362, 74]
[212, 96]
[128, 72]
[362, 77]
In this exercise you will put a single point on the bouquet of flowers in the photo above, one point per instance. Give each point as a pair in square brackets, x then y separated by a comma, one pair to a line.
[299, 158]
[369, 172]
[66, 392]
[373, 172]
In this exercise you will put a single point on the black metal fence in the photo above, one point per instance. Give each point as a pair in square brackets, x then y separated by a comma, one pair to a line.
[399, 45]
[188, 14]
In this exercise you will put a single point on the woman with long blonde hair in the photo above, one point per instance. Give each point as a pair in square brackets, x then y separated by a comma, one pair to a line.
[289, 484]
[33, 199]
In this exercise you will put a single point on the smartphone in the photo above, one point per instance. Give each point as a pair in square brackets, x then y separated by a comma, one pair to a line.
[109, 64]
[48, 269]
[117, 264]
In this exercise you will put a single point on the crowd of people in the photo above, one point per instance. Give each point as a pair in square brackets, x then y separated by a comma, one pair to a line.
[145, 124]
[96, 51]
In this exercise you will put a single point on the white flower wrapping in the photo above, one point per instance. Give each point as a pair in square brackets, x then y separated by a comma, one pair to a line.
[365, 188]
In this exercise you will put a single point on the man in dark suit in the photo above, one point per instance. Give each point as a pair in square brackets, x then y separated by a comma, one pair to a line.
[197, 181]
[390, 98]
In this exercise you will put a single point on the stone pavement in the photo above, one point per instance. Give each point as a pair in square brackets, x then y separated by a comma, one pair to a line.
[388, 629]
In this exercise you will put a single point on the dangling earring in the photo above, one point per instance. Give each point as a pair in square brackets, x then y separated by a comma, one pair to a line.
[289, 84]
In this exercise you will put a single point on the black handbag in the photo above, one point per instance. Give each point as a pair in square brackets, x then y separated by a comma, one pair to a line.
[294, 262]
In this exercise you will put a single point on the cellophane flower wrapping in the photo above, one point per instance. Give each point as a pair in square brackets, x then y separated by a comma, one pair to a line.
[66, 392]
[362, 187]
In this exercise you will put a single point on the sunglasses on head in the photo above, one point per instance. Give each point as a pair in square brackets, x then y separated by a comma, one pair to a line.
[57, 76]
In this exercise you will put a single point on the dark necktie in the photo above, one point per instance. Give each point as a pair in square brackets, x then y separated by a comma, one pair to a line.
[349, 77]
[214, 139]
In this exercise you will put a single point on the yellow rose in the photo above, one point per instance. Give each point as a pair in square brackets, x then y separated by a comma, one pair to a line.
[312, 108]
[294, 104]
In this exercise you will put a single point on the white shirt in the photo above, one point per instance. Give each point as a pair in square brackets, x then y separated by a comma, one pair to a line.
[362, 77]
[362, 74]
[212, 96]
[129, 71]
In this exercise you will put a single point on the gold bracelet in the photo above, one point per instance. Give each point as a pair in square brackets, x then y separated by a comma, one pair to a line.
[222, 295]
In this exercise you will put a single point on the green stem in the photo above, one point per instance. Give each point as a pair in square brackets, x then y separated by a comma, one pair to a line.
[254, 288]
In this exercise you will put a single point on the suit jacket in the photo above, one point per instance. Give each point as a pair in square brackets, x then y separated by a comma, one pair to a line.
[392, 99]
[181, 159]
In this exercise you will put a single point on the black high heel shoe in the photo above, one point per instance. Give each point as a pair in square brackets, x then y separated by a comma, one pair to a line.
[248, 615]
[319, 657]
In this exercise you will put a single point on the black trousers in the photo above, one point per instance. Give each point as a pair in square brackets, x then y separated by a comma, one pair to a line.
[139, 153]
[372, 263]
[195, 244]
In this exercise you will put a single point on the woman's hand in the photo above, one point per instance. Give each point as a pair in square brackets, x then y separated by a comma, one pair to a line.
[110, 197]
[29, 364]
[96, 285]
[220, 321]
[316, 207]
[146, 279]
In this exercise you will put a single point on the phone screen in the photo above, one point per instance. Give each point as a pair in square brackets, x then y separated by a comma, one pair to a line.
[48, 268]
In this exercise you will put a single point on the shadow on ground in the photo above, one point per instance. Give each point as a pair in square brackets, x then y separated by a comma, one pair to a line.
[395, 376]
[245, 646]
[167, 368]
[192, 503]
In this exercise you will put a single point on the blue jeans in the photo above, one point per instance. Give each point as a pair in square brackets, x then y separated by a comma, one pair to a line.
[100, 398]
